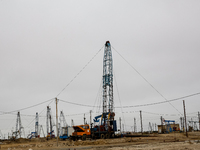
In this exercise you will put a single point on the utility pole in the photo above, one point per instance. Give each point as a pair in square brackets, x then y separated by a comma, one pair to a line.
[48, 121]
[90, 118]
[57, 119]
[123, 127]
[36, 125]
[150, 128]
[161, 119]
[84, 118]
[120, 124]
[192, 123]
[141, 121]
[72, 122]
[199, 119]
[135, 127]
[59, 129]
[185, 117]
[181, 123]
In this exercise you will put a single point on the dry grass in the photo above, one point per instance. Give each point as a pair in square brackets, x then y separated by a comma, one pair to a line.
[171, 141]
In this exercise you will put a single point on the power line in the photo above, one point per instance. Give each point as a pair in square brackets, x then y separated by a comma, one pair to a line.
[156, 103]
[76, 103]
[149, 104]
[161, 102]
[10, 112]
[145, 79]
[79, 72]
[3, 113]
[77, 114]
[40, 112]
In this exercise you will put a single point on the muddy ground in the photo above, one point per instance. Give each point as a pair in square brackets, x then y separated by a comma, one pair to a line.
[173, 141]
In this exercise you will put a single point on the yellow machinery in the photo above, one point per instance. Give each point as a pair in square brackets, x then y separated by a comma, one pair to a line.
[81, 132]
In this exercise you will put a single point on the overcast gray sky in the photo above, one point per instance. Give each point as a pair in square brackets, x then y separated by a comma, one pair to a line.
[44, 44]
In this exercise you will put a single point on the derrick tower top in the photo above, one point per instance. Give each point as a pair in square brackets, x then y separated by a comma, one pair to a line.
[107, 79]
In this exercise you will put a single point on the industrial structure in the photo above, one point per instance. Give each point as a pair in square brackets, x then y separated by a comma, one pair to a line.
[107, 83]
[19, 127]
[170, 126]
[50, 131]
[192, 125]
[36, 133]
[106, 127]
[63, 124]
[65, 131]
[36, 125]
[41, 130]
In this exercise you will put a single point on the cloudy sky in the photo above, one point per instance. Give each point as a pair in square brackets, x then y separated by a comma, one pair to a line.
[45, 44]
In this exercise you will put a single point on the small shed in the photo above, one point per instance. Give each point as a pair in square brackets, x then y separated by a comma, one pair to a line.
[168, 128]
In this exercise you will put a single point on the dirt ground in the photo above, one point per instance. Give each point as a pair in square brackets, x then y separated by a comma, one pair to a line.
[173, 141]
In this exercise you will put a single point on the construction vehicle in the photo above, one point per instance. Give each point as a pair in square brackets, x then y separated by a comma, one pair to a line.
[81, 132]
[103, 131]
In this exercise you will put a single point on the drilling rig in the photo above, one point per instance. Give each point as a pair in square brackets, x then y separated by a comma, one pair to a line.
[36, 133]
[65, 130]
[50, 131]
[107, 126]
[107, 85]
[19, 127]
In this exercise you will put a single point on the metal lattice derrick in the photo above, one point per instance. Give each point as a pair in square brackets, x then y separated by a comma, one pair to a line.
[36, 125]
[107, 83]
[50, 123]
[41, 129]
[48, 120]
[104, 100]
[63, 122]
[19, 127]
